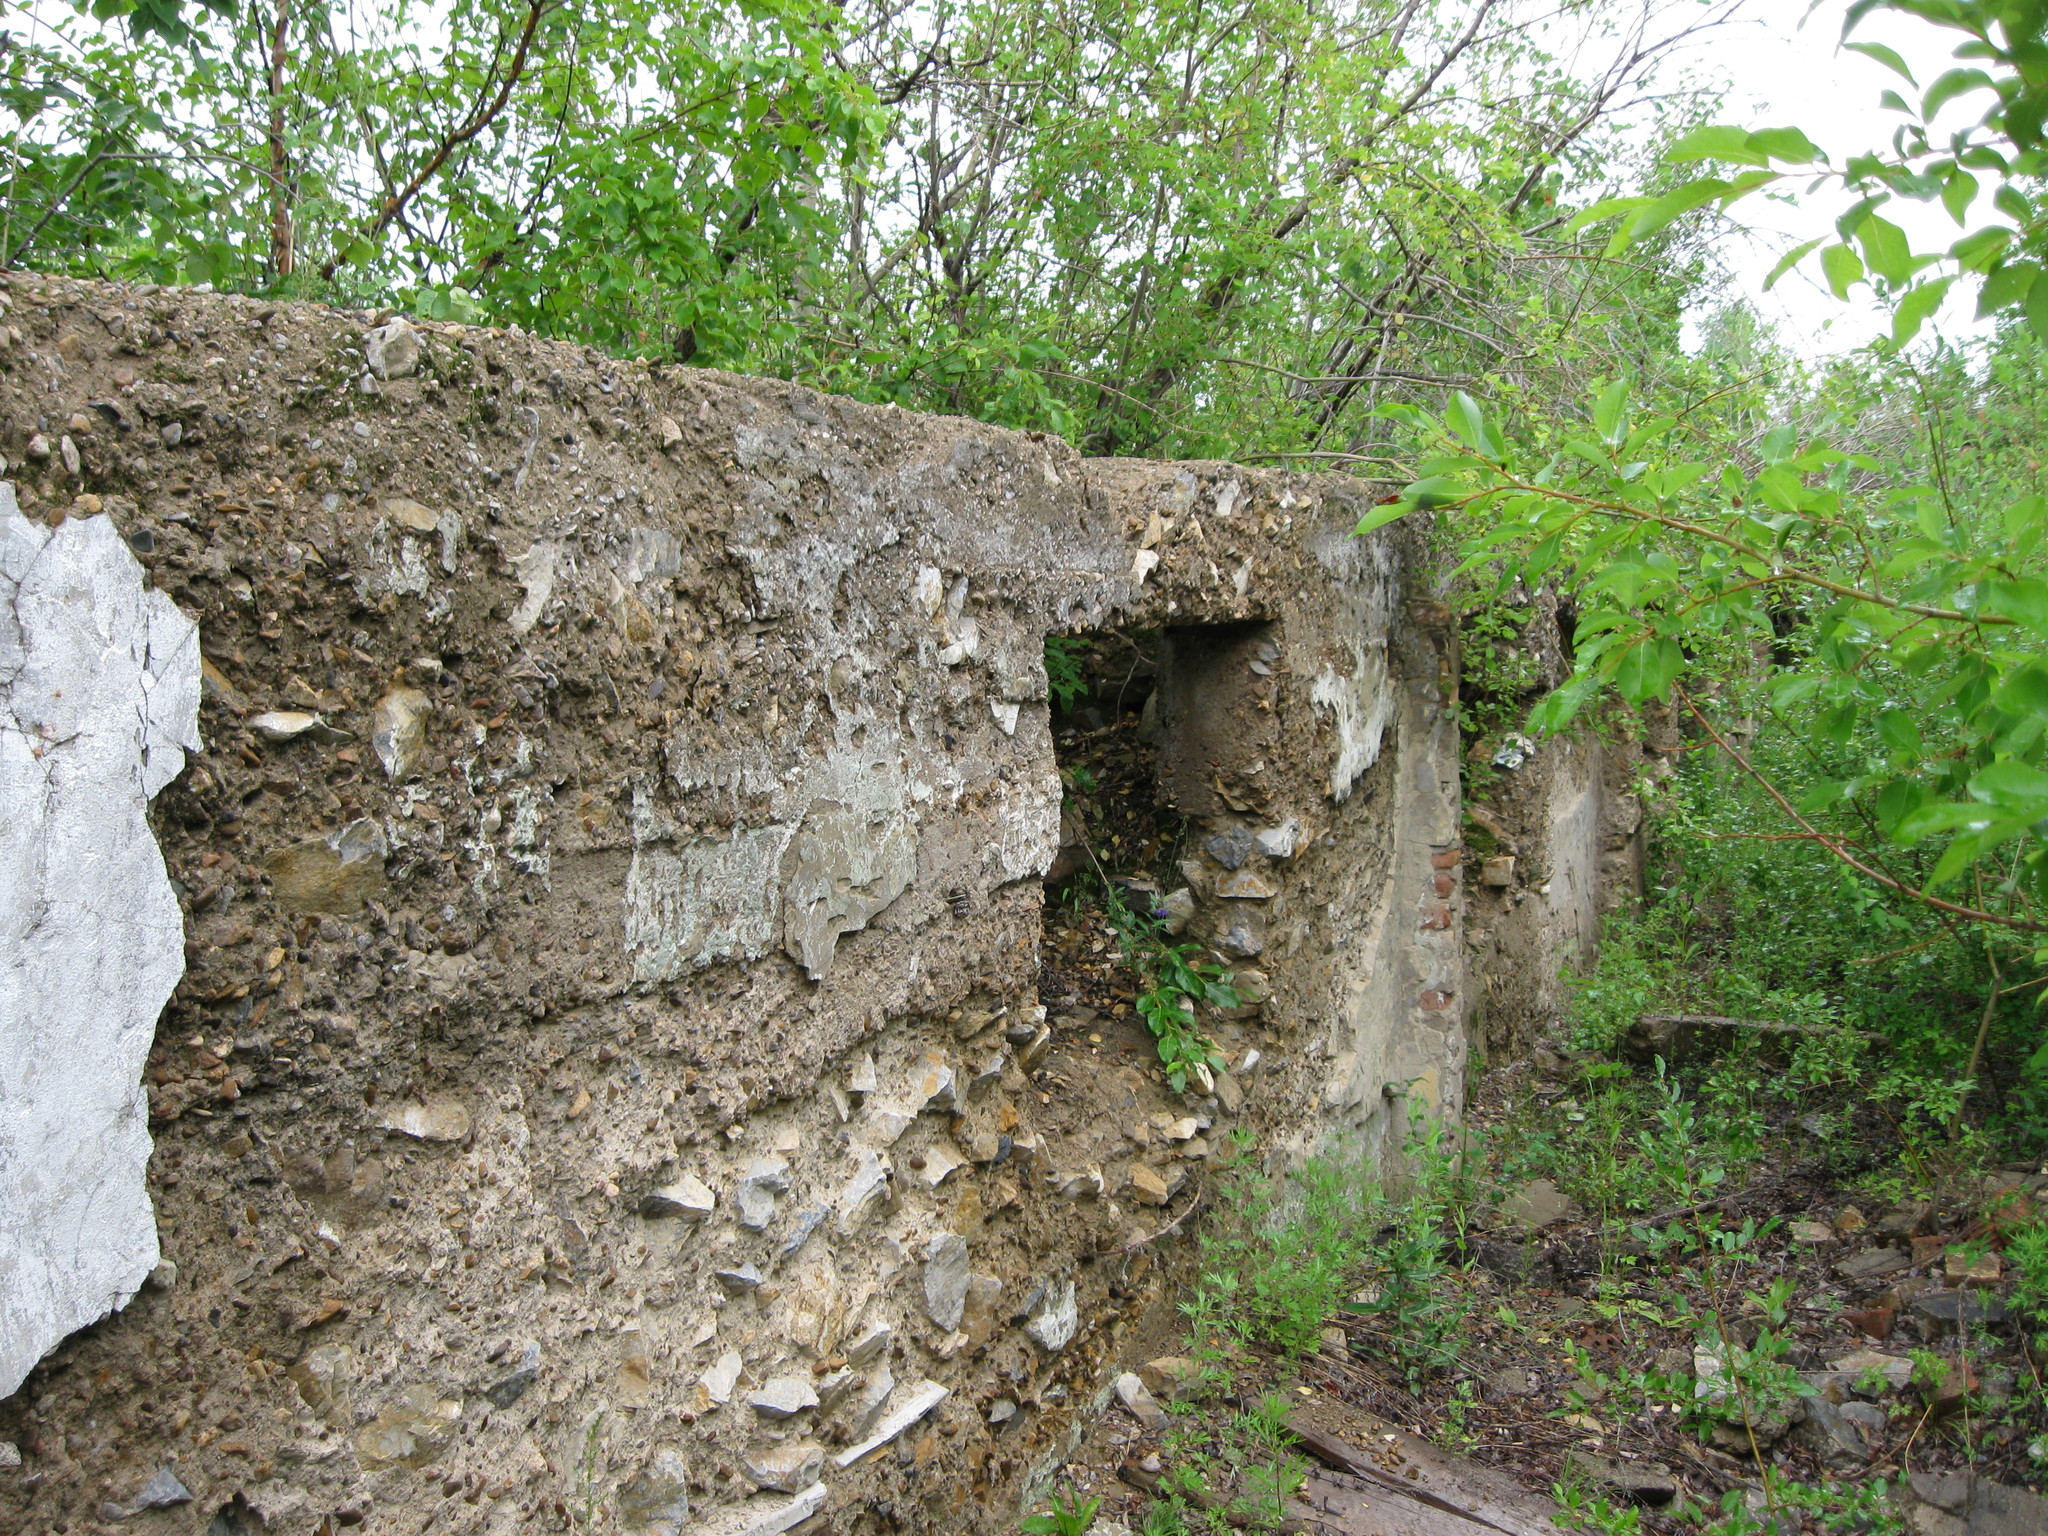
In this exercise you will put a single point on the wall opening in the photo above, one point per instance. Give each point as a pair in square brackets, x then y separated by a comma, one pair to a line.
[1160, 739]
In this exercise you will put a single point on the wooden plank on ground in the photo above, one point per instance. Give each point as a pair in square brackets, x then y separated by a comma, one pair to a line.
[1357, 1442]
[1338, 1504]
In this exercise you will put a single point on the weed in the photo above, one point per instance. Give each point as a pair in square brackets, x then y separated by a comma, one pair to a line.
[1582, 1511]
[1243, 1477]
[1455, 1435]
[1422, 1317]
[1063, 676]
[1836, 1508]
[2026, 1249]
[1274, 1274]
[1071, 1516]
[1174, 979]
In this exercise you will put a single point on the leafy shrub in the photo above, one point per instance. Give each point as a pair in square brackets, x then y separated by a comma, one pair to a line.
[1063, 677]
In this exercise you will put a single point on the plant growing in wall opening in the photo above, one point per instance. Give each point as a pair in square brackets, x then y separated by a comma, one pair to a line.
[1175, 979]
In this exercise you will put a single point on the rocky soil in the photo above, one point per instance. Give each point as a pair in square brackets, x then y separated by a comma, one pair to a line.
[1576, 1367]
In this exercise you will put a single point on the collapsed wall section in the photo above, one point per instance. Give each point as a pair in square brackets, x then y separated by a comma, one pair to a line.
[608, 1085]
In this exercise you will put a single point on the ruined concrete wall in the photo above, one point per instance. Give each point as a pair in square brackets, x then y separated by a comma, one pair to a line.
[1558, 846]
[607, 1089]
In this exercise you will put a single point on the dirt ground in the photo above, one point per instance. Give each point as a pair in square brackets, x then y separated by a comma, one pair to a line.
[1561, 1313]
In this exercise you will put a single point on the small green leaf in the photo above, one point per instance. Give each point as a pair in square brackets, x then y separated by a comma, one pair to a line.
[1978, 250]
[1896, 729]
[1380, 516]
[1886, 249]
[1648, 670]
[2006, 287]
[1951, 85]
[1791, 259]
[2024, 691]
[2023, 600]
[1921, 300]
[1786, 144]
[2024, 517]
[1610, 412]
[1821, 794]
[1469, 422]
[1675, 204]
[1718, 142]
[1606, 209]
[1842, 268]
[1958, 191]
[2036, 309]
[1888, 57]
[1427, 494]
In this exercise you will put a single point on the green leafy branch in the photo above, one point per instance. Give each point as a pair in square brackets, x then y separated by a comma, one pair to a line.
[1923, 624]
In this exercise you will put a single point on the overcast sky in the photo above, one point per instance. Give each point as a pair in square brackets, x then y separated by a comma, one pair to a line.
[1782, 71]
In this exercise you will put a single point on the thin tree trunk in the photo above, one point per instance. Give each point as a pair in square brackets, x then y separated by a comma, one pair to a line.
[281, 253]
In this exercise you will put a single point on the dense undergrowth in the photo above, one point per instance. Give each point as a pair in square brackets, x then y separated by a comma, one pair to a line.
[1691, 1307]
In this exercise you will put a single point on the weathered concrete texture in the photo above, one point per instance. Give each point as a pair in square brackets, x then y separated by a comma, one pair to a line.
[99, 701]
[612, 902]
[1560, 846]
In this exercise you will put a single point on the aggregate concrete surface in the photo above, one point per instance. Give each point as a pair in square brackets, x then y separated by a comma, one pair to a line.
[606, 1090]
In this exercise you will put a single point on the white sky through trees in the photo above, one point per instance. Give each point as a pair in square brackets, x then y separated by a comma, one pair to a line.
[1783, 67]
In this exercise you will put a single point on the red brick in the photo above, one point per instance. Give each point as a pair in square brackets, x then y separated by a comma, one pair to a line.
[1436, 1002]
[1445, 884]
[1446, 858]
[1436, 917]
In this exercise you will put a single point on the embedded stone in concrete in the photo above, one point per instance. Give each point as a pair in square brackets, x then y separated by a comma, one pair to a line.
[719, 1381]
[783, 1397]
[765, 1178]
[1230, 848]
[784, 1468]
[873, 1401]
[872, 1342]
[657, 1500]
[1278, 842]
[1246, 885]
[866, 1192]
[924, 1397]
[437, 1119]
[704, 901]
[807, 1222]
[855, 854]
[99, 700]
[334, 874]
[884, 1124]
[764, 1516]
[688, 1197]
[945, 1279]
[392, 350]
[162, 1491]
[1147, 1188]
[931, 1084]
[398, 730]
[861, 1079]
[509, 1388]
[940, 1161]
[1179, 907]
[739, 1281]
[1132, 1393]
[1056, 1319]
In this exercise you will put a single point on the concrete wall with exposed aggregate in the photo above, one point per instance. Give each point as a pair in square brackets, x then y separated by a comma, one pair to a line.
[608, 1085]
